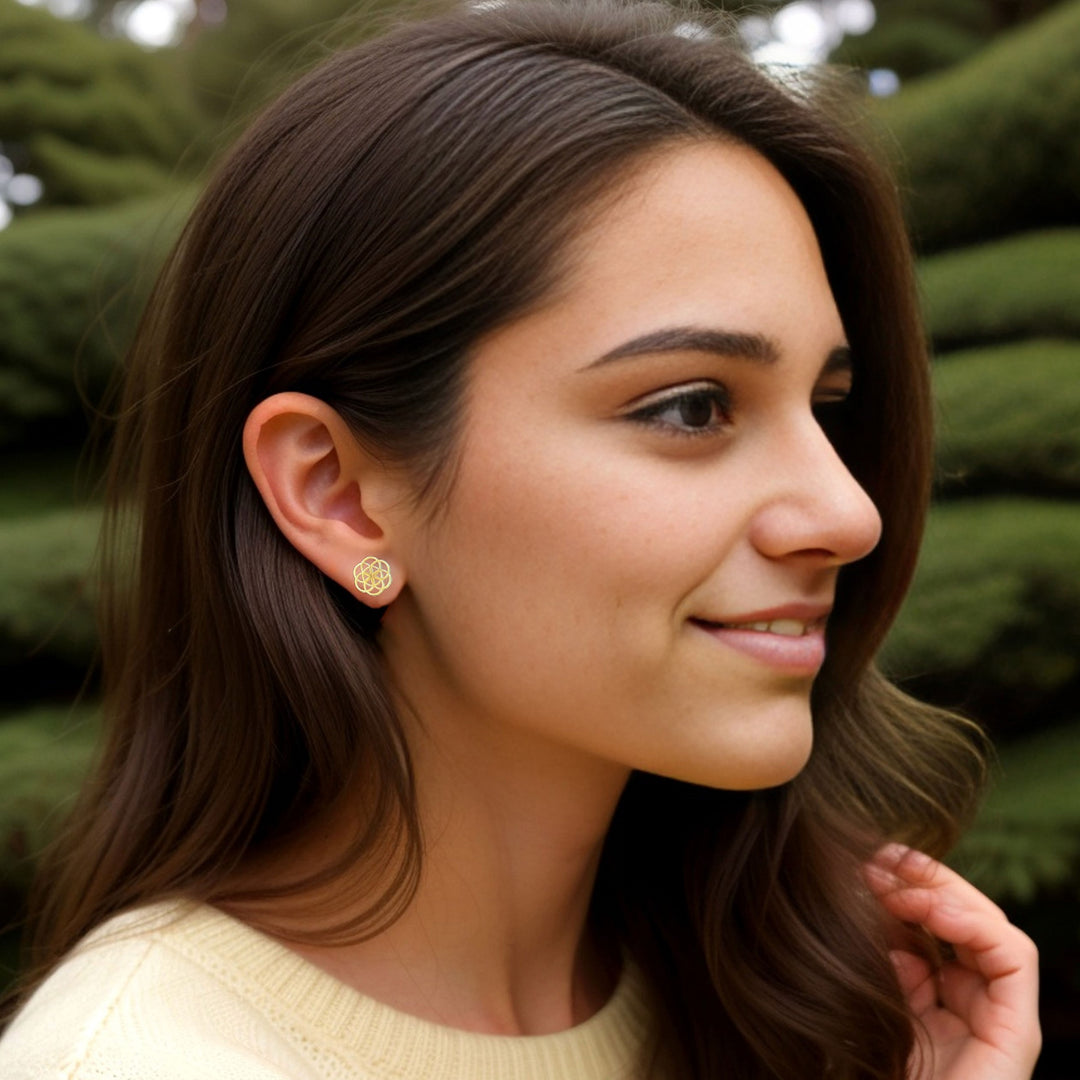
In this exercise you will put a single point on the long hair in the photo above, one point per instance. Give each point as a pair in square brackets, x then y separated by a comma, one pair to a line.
[402, 200]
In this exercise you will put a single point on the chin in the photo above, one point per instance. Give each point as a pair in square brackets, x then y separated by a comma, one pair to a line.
[782, 771]
[773, 752]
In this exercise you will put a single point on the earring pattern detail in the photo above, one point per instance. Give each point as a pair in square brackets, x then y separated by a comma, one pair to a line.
[372, 576]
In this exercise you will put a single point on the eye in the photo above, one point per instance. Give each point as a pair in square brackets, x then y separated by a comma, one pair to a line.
[700, 409]
[831, 406]
[828, 399]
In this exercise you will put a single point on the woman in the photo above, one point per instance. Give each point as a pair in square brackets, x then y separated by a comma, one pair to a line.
[528, 436]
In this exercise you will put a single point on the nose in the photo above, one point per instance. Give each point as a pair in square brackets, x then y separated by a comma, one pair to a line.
[811, 504]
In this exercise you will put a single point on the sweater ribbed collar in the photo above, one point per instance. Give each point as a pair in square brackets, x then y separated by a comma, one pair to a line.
[322, 1016]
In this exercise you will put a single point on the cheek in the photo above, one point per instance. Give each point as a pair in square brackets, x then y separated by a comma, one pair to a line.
[540, 571]
[560, 573]
[580, 533]
[553, 598]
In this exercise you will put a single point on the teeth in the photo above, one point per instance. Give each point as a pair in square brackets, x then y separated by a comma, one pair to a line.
[783, 627]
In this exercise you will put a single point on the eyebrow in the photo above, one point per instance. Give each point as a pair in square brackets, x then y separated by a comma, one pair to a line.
[755, 348]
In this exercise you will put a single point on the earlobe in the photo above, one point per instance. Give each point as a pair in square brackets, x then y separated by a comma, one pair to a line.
[372, 576]
[318, 484]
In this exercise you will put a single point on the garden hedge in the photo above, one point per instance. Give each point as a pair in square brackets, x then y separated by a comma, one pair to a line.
[1027, 838]
[911, 48]
[46, 598]
[989, 146]
[62, 84]
[35, 483]
[1026, 285]
[44, 754]
[71, 284]
[992, 611]
[1009, 418]
[264, 45]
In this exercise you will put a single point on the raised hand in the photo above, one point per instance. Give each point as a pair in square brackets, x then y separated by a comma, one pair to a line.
[977, 1018]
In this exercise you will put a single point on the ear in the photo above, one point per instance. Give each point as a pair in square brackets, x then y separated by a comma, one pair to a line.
[332, 500]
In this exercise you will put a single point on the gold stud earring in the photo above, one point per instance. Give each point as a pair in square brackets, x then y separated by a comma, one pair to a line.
[372, 576]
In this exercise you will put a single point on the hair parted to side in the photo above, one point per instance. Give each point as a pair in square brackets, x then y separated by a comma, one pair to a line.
[398, 203]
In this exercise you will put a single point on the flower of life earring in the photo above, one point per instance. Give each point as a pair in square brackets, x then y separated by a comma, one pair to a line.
[372, 576]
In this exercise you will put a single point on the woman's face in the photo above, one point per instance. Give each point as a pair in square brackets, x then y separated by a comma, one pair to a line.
[642, 542]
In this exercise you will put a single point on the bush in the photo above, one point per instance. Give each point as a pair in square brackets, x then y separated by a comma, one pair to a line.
[991, 617]
[913, 47]
[975, 16]
[264, 45]
[1023, 286]
[49, 480]
[44, 755]
[81, 174]
[1010, 418]
[100, 98]
[1027, 837]
[989, 146]
[71, 286]
[46, 602]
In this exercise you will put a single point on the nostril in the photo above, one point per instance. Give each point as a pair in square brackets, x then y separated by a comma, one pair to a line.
[816, 508]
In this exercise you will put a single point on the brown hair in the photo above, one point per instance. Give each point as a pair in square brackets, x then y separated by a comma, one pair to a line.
[399, 202]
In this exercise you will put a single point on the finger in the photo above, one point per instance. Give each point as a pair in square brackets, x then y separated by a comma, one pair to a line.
[915, 888]
[960, 989]
[984, 939]
[916, 979]
[900, 865]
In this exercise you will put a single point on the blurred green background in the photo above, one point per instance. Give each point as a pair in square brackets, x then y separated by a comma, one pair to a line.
[110, 115]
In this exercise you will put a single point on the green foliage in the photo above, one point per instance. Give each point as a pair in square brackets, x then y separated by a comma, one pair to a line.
[975, 16]
[1027, 838]
[74, 102]
[264, 45]
[1022, 286]
[80, 174]
[71, 283]
[990, 146]
[44, 754]
[1009, 418]
[913, 47]
[995, 598]
[46, 601]
[34, 483]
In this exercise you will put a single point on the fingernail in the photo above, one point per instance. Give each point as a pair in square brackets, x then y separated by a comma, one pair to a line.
[893, 852]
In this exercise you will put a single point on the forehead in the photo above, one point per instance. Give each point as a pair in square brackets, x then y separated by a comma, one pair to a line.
[699, 234]
[716, 209]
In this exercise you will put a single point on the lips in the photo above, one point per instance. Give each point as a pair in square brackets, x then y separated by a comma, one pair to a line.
[803, 612]
[790, 639]
[783, 627]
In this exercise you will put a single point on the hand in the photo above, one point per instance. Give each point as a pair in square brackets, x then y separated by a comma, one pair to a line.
[977, 1018]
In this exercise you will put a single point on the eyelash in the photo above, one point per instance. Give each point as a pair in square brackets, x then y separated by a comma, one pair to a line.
[829, 409]
[833, 412]
[714, 394]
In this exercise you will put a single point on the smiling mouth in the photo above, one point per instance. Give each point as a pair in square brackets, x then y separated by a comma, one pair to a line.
[783, 627]
[787, 644]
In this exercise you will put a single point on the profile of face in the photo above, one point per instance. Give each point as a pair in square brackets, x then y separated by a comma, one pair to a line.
[639, 549]
[641, 544]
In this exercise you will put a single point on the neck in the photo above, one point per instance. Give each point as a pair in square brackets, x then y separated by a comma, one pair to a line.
[514, 837]
[496, 937]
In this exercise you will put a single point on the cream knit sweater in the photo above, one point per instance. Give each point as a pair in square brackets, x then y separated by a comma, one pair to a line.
[178, 991]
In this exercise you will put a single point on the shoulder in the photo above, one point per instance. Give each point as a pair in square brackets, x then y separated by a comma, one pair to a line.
[136, 999]
[181, 991]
